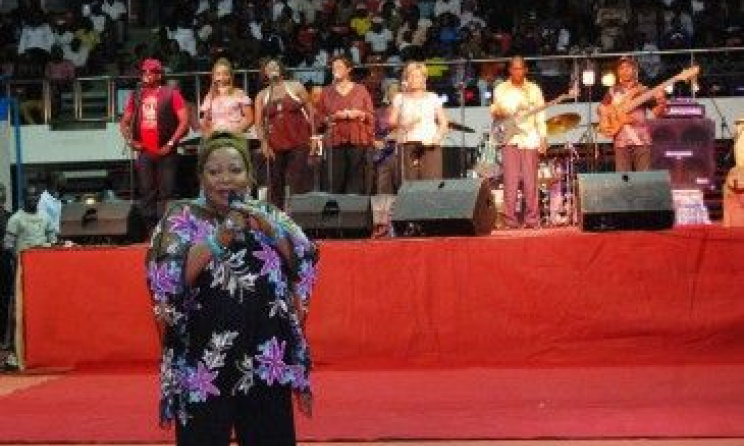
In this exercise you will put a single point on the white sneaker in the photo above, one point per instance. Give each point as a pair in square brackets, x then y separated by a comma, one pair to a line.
[11, 360]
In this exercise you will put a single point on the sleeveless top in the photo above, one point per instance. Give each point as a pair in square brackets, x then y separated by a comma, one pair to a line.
[289, 127]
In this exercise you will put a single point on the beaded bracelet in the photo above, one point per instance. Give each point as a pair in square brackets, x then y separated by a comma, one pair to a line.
[218, 251]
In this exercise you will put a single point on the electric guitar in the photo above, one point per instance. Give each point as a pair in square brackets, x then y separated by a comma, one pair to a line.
[615, 116]
[503, 129]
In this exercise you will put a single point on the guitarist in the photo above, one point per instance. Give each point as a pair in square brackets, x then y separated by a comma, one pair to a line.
[524, 138]
[632, 144]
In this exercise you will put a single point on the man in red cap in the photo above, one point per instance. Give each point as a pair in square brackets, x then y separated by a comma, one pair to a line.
[155, 119]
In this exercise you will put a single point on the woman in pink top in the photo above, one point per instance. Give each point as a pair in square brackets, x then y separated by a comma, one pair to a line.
[225, 107]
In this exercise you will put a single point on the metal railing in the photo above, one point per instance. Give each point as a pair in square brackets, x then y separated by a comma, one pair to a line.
[101, 98]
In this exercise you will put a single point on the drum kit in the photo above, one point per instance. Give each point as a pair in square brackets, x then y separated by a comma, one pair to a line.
[555, 174]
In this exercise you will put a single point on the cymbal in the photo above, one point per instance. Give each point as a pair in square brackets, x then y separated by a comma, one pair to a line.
[460, 128]
[561, 123]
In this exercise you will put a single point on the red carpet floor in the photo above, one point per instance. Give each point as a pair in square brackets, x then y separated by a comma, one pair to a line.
[692, 401]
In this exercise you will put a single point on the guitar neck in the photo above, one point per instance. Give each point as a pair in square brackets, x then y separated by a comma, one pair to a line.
[537, 109]
[646, 95]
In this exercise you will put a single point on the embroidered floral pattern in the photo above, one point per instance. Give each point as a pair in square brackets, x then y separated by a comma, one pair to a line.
[200, 383]
[214, 355]
[246, 381]
[164, 279]
[272, 262]
[271, 362]
[233, 275]
[306, 280]
[189, 228]
[278, 307]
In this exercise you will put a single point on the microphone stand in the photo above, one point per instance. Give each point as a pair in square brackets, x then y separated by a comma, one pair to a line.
[400, 147]
[266, 125]
[464, 158]
[591, 137]
[323, 155]
[137, 99]
[725, 129]
[461, 88]
[328, 136]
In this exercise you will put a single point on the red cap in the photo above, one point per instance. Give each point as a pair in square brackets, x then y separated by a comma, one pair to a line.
[151, 65]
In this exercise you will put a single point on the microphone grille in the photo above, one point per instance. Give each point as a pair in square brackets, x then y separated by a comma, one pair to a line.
[233, 197]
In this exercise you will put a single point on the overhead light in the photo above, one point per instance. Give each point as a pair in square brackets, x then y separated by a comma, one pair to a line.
[588, 77]
[89, 199]
[608, 79]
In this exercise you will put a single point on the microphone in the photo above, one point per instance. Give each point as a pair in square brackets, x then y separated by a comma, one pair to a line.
[236, 202]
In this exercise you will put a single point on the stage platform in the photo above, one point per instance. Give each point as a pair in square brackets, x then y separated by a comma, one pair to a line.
[544, 298]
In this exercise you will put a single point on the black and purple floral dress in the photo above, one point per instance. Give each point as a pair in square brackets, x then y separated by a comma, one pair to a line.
[237, 326]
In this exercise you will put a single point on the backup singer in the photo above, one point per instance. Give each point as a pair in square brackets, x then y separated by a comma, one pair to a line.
[347, 108]
[632, 144]
[230, 284]
[225, 107]
[419, 117]
[284, 124]
[524, 136]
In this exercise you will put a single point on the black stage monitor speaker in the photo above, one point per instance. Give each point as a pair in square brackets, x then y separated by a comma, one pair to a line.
[625, 200]
[323, 215]
[462, 206]
[685, 147]
[105, 222]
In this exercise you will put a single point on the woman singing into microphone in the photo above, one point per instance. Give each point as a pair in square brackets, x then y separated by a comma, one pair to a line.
[347, 108]
[419, 117]
[225, 107]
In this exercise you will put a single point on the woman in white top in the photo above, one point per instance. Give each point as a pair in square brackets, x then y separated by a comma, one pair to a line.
[225, 108]
[419, 117]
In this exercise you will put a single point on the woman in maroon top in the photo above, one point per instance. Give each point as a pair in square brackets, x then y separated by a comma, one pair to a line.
[284, 124]
[347, 109]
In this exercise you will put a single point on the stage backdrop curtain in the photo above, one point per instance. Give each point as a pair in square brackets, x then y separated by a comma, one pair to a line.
[537, 298]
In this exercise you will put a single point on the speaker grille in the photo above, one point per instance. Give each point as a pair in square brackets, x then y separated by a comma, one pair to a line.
[625, 200]
[685, 148]
[107, 222]
[444, 207]
[323, 215]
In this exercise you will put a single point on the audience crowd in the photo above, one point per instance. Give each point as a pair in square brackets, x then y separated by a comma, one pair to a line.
[188, 35]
